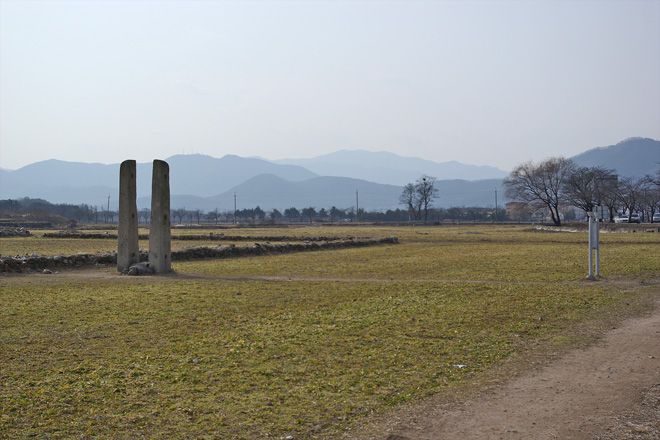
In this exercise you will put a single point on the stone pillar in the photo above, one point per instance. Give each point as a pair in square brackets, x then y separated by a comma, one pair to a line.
[128, 251]
[160, 252]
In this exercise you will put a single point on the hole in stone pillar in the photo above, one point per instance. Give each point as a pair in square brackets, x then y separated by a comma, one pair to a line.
[132, 215]
[165, 216]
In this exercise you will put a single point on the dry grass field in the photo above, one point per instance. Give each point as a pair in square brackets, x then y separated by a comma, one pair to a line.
[300, 346]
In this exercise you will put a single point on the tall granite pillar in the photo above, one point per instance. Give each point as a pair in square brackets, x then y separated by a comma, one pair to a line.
[127, 244]
[160, 252]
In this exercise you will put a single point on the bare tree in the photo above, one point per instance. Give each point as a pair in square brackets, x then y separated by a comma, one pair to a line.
[426, 192]
[179, 213]
[586, 187]
[214, 215]
[419, 196]
[198, 213]
[650, 196]
[540, 185]
[611, 200]
[409, 198]
[229, 215]
[144, 214]
[630, 193]
[655, 179]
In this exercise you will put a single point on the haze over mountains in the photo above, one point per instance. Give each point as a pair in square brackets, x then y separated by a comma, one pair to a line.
[204, 182]
[634, 157]
[389, 168]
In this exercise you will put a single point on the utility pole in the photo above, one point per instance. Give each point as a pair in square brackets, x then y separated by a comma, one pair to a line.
[107, 211]
[234, 208]
[495, 205]
[357, 207]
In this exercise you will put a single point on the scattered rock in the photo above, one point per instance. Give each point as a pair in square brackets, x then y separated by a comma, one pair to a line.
[14, 232]
[140, 269]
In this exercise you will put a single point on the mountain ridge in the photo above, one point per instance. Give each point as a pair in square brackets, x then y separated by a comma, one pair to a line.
[632, 157]
[389, 168]
[204, 182]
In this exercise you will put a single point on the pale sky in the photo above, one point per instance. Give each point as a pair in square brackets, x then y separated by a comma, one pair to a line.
[481, 82]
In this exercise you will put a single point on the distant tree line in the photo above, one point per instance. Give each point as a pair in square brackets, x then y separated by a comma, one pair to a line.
[558, 182]
[333, 215]
[81, 213]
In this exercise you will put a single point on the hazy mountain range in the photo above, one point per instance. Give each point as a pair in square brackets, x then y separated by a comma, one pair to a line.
[634, 157]
[371, 179]
[389, 168]
[268, 191]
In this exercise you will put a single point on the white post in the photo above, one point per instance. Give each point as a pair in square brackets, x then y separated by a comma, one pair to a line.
[591, 257]
[597, 228]
[593, 245]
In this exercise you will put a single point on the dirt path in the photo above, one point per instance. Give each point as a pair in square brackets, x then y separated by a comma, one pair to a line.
[608, 391]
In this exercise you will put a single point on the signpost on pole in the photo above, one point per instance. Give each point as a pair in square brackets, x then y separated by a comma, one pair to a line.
[593, 245]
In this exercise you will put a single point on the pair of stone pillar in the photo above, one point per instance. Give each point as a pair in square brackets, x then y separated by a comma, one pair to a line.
[128, 252]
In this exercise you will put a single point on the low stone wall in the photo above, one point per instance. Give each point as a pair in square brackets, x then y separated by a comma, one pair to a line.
[40, 263]
[14, 232]
[66, 234]
[34, 262]
[603, 227]
[209, 237]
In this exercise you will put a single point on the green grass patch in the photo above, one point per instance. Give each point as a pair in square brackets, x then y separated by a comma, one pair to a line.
[452, 253]
[196, 356]
[245, 359]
